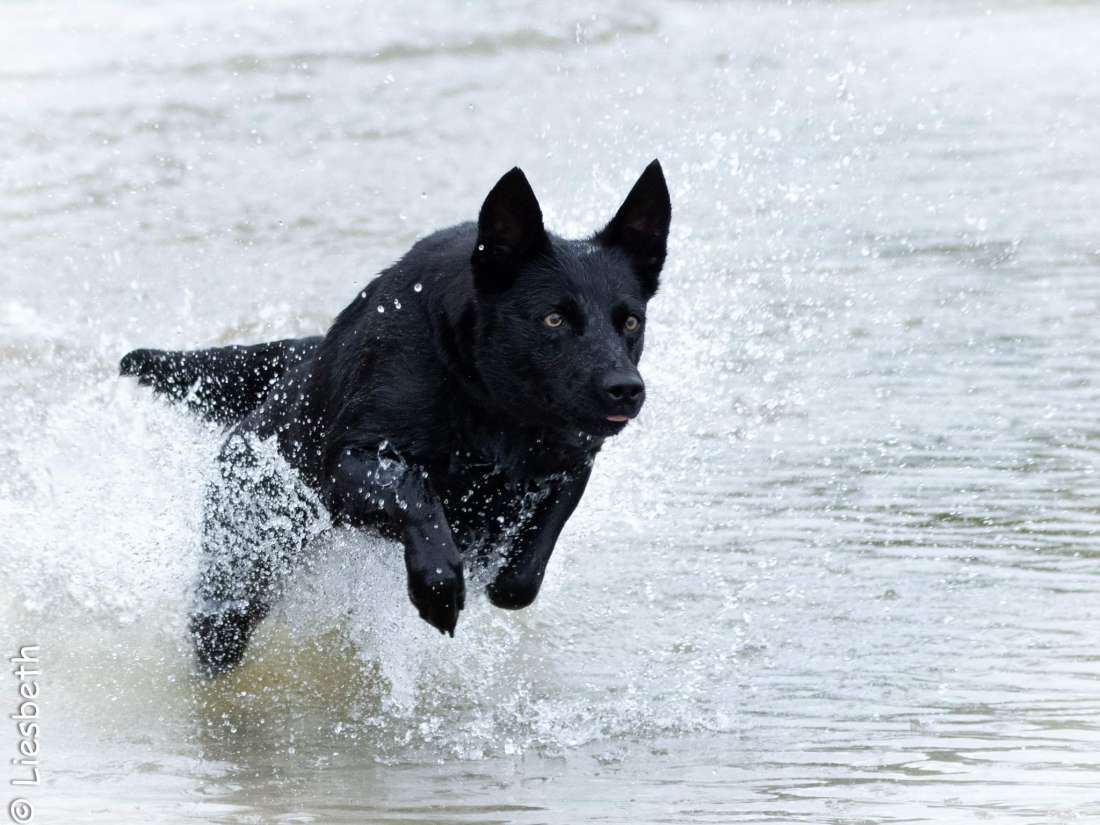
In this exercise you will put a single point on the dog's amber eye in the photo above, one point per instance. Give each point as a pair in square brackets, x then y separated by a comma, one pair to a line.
[553, 320]
[632, 324]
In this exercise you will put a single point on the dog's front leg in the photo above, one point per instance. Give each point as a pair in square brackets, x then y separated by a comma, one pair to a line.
[364, 483]
[518, 582]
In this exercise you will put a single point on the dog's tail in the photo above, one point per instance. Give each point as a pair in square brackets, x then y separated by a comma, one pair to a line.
[223, 384]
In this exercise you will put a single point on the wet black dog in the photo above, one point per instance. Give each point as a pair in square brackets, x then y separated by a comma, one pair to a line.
[457, 404]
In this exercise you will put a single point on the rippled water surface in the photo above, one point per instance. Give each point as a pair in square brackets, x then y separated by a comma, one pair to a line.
[844, 569]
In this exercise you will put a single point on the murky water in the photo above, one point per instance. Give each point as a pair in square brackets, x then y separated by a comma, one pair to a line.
[844, 569]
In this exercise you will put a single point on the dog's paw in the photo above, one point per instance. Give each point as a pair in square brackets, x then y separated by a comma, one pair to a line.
[220, 640]
[437, 588]
[511, 592]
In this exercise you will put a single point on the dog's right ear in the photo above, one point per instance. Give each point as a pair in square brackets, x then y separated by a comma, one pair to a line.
[509, 232]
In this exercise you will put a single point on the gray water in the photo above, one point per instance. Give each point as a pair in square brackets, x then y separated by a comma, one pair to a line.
[845, 567]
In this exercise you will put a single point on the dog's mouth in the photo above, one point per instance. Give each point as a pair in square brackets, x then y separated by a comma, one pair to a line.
[606, 425]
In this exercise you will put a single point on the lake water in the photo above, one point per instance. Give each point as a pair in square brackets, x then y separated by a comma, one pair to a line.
[844, 569]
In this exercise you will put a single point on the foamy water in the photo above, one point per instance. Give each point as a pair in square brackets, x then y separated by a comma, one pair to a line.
[843, 569]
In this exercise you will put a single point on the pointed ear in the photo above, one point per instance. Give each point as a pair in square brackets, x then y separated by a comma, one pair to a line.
[640, 227]
[509, 232]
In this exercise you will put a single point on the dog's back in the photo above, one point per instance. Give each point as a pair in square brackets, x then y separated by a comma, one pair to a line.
[223, 384]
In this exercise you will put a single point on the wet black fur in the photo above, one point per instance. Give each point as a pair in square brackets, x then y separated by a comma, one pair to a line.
[441, 408]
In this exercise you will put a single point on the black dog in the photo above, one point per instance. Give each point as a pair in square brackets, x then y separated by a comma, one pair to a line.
[457, 404]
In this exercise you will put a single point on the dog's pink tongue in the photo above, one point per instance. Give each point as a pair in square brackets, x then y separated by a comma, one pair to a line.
[618, 419]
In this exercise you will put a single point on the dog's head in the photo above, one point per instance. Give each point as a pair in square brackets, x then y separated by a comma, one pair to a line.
[561, 323]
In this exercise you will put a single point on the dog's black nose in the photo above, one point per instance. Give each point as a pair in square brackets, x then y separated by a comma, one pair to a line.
[623, 389]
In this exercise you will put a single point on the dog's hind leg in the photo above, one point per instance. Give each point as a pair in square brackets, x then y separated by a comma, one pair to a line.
[257, 518]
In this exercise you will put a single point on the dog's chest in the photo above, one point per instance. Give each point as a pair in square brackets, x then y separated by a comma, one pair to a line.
[523, 455]
[484, 505]
[488, 494]
[493, 479]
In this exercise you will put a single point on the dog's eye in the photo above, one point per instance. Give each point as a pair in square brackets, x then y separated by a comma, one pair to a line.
[632, 324]
[553, 320]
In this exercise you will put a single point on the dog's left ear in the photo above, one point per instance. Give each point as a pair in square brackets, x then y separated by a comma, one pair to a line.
[509, 232]
[640, 227]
